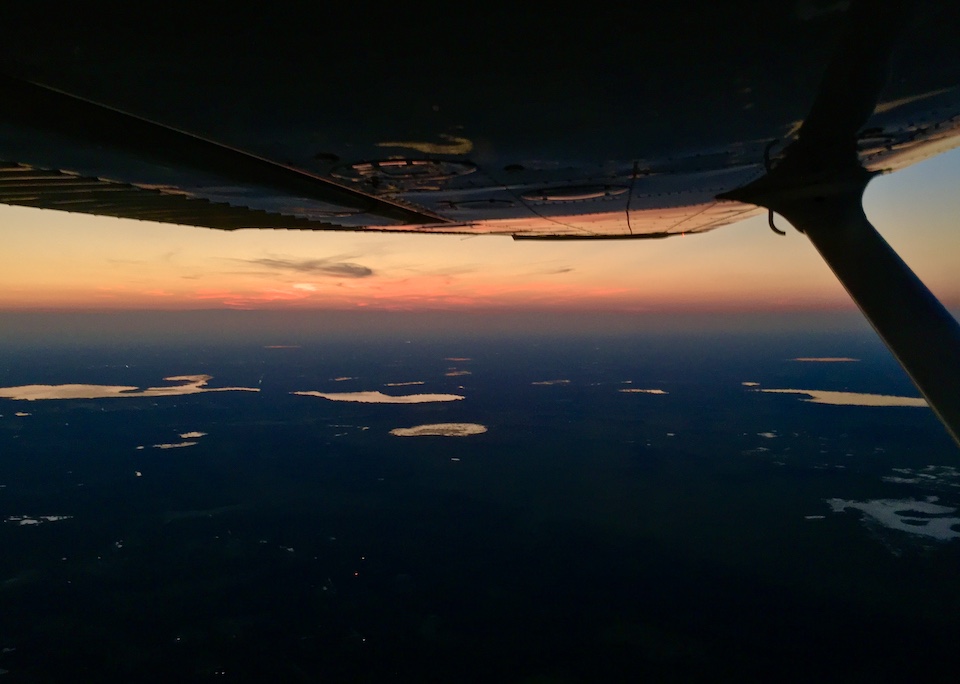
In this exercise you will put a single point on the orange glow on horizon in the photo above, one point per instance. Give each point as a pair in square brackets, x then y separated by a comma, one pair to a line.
[59, 261]
[488, 296]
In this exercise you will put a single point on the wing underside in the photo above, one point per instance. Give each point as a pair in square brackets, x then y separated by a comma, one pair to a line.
[575, 135]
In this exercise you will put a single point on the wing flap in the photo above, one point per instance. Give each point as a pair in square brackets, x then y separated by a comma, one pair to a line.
[26, 186]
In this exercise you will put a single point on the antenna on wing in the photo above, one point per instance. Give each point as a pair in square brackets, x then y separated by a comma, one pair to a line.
[768, 165]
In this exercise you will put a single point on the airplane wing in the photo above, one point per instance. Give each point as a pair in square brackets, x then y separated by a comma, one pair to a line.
[637, 121]
[89, 157]
[539, 126]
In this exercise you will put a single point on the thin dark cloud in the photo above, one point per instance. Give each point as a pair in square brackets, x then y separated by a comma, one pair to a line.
[167, 257]
[318, 267]
[550, 270]
[445, 271]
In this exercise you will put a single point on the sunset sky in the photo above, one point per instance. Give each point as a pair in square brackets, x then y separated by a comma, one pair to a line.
[54, 260]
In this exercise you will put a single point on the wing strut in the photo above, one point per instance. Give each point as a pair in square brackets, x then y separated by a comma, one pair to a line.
[916, 327]
[818, 186]
[920, 332]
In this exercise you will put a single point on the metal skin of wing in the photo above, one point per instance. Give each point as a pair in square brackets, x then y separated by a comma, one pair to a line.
[618, 121]
[615, 122]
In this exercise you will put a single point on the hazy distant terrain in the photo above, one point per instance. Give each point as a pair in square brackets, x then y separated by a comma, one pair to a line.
[597, 507]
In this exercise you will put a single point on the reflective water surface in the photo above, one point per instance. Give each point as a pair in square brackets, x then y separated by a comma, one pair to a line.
[851, 398]
[190, 384]
[380, 398]
[441, 430]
